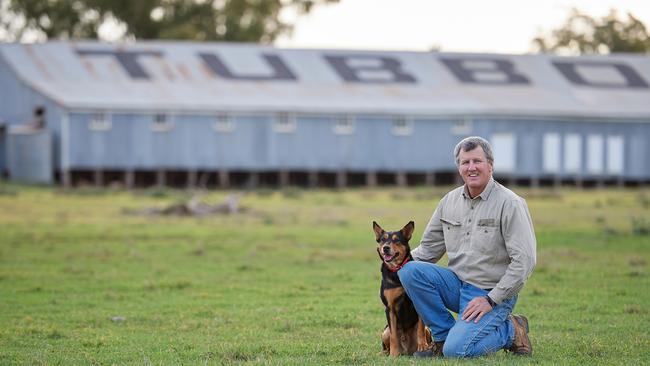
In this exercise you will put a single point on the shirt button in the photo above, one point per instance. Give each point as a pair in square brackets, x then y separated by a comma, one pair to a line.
[472, 207]
[468, 232]
[470, 220]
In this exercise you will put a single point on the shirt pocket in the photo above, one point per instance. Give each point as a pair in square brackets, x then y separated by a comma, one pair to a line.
[487, 235]
[452, 231]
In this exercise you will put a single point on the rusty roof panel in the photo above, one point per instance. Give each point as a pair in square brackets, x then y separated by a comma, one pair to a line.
[248, 77]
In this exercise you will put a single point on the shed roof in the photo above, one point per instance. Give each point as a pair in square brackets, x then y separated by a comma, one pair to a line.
[189, 76]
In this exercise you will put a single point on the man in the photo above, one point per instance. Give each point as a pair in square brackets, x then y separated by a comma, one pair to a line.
[488, 235]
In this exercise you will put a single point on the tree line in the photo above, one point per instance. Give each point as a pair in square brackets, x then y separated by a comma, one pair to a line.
[200, 20]
[260, 21]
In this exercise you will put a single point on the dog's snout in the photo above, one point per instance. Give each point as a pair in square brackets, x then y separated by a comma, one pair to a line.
[386, 249]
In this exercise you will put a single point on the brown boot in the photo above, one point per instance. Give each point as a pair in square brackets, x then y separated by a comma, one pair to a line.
[434, 351]
[521, 344]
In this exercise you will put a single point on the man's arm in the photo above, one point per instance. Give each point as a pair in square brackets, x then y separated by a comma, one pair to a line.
[521, 245]
[432, 245]
[519, 236]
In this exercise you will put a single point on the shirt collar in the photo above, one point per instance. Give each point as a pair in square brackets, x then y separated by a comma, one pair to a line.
[486, 192]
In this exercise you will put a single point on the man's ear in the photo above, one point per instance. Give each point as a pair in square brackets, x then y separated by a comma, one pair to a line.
[407, 230]
[378, 230]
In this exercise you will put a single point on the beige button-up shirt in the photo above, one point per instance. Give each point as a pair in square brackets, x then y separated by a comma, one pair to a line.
[490, 240]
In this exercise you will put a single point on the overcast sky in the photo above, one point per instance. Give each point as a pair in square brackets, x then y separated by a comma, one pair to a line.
[503, 26]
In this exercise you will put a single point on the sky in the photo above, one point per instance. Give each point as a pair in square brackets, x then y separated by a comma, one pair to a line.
[499, 26]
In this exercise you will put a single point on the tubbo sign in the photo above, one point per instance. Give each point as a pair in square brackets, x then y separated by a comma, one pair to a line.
[205, 76]
[383, 69]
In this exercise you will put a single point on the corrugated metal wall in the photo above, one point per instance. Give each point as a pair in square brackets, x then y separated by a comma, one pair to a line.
[3, 149]
[192, 142]
[29, 155]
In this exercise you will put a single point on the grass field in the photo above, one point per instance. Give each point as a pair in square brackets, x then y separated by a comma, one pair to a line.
[293, 279]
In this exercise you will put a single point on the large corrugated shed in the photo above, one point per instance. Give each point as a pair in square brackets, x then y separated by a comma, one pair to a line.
[225, 111]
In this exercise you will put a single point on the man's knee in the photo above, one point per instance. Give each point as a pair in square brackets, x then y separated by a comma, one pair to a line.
[408, 272]
[454, 348]
[460, 340]
[422, 272]
[460, 345]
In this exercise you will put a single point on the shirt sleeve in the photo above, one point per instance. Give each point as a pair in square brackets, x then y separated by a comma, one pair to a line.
[432, 245]
[521, 245]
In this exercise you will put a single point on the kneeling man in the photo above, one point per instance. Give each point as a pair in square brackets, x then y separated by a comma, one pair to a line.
[488, 235]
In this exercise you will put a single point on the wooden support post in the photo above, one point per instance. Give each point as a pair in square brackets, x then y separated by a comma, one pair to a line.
[202, 180]
[160, 178]
[534, 182]
[253, 180]
[430, 179]
[400, 179]
[557, 182]
[129, 179]
[341, 179]
[283, 178]
[98, 178]
[371, 179]
[579, 182]
[191, 179]
[66, 178]
[313, 179]
[224, 179]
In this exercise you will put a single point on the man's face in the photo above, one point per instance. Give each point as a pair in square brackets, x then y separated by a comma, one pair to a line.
[475, 170]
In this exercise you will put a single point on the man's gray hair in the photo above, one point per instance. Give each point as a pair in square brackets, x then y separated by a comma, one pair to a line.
[470, 143]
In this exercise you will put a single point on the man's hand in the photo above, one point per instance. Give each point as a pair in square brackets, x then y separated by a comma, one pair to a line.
[476, 308]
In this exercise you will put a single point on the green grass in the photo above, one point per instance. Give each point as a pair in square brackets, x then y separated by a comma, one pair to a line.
[293, 279]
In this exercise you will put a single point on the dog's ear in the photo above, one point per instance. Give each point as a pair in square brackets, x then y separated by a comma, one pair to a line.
[378, 230]
[407, 230]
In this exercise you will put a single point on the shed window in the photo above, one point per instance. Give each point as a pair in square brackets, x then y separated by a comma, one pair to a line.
[344, 125]
[402, 127]
[223, 124]
[504, 146]
[615, 154]
[551, 160]
[284, 123]
[572, 153]
[161, 123]
[595, 156]
[462, 127]
[99, 122]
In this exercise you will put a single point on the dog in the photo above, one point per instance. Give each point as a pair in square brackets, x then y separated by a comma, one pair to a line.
[405, 332]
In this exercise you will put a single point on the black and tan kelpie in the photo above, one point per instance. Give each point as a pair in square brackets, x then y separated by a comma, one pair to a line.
[405, 332]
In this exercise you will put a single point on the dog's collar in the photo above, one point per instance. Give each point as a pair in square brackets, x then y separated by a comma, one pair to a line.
[398, 267]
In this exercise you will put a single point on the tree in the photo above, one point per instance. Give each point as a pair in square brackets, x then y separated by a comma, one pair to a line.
[583, 34]
[203, 20]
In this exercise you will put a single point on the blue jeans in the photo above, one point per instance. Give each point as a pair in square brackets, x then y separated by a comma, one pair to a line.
[435, 290]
